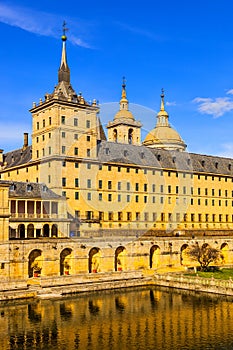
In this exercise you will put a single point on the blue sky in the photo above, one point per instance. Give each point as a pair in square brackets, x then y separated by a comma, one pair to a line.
[185, 47]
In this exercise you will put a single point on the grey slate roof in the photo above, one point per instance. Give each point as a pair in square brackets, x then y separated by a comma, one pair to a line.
[17, 157]
[164, 159]
[30, 190]
[142, 156]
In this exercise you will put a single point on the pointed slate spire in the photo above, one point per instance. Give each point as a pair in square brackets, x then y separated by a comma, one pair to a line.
[64, 71]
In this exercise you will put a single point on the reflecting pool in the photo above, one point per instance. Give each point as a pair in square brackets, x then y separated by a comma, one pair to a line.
[142, 318]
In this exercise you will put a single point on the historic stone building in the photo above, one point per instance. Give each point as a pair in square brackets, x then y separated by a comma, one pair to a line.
[73, 182]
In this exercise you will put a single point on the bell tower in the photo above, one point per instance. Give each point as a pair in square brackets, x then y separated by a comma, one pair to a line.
[124, 128]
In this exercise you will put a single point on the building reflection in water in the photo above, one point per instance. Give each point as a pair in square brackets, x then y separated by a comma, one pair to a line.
[131, 319]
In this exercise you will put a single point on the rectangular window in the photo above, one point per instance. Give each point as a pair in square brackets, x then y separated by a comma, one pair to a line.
[146, 216]
[177, 189]
[88, 152]
[136, 198]
[63, 134]
[136, 172]
[100, 166]
[64, 193]
[137, 186]
[37, 125]
[192, 217]
[109, 197]
[145, 187]
[50, 150]
[161, 188]
[63, 149]
[76, 195]
[75, 121]
[169, 189]
[109, 168]
[145, 199]
[219, 193]
[63, 181]
[89, 196]
[119, 186]
[128, 198]
[199, 191]
[199, 218]
[153, 199]
[128, 186]
[161, 200]
[213, 217]
[184, 190]
[206, 191]
[76, 182]
[76, 136]
[119, 198]
[127, 170]
[88, 138]
[206, 201]
[88, 183]
[129, 216]
[63, 119]
[109, 185]
[88, 124]
[120, 216]
[76, 151]
[137, 216]
[100, 184]
[213, 202]
[88, 165]
[100, 196]
[50, 120]
[76, 165]
[101, 215]
[153, 188]
[199, 201]
[119, 169]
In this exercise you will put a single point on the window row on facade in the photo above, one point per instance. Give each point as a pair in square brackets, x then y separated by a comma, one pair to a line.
[153, 217]
[47, 122]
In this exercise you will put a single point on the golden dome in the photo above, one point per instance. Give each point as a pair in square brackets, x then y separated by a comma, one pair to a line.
[163, 135]
[124, 113]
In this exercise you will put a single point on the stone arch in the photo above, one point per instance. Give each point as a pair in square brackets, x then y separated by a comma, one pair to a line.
[94, 260]
[130, 136]
[54, 230]
[30, 231]
[65, 261]
[224, 253]
[21, 231]
[184, 258]
[35, 263]
[154, 256]
[119, 263]
[46, 230]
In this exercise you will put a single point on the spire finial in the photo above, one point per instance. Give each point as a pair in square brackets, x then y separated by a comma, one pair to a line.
[123, 95]
[65, 29]
[162, 99]
[64, 72]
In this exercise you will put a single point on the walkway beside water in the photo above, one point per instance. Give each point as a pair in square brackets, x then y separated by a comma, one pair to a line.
[58, 286]
[194, 283]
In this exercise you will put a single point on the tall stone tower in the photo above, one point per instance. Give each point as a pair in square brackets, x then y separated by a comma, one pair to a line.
[65, 129]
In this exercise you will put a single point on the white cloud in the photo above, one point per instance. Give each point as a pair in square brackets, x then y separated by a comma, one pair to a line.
[227, 150]
[230, 92]
[216, 107]
[36, 22]
[173, 103]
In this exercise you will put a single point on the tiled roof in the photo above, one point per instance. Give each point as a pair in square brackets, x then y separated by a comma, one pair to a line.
[30, 190]
[17, 157]
[163, 159]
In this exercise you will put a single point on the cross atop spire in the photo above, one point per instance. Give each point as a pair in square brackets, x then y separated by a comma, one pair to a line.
[123, 101]
[162, 99]
[64, 71]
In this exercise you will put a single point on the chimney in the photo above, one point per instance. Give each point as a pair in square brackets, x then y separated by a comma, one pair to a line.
[1, 156]
[25, 139]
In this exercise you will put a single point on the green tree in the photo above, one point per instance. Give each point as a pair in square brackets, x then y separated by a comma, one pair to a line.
[204, 255]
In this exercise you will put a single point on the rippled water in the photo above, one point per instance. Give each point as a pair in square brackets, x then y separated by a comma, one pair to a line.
[123, 319]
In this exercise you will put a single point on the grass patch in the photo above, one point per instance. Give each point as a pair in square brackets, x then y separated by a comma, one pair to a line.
[223, 274]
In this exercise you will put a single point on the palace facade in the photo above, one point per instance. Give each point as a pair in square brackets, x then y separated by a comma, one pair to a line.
[73, 182]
